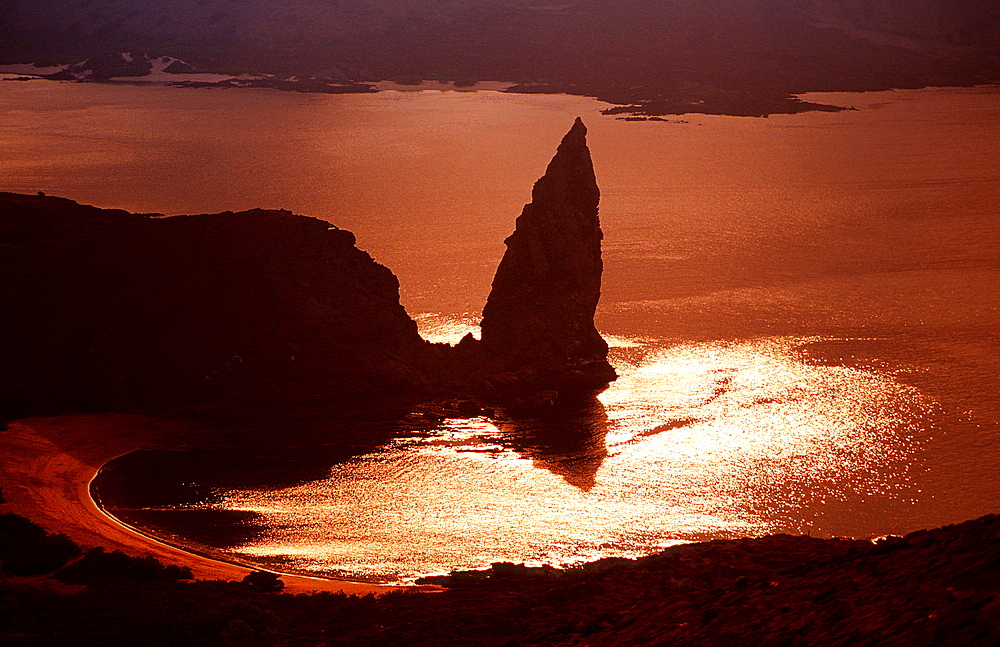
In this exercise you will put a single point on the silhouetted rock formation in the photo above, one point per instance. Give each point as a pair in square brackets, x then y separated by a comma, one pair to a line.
[109, 310]
[538, 329]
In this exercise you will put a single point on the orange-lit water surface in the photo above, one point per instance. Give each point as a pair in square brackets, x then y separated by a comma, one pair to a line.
[695, 441]
[803, 309]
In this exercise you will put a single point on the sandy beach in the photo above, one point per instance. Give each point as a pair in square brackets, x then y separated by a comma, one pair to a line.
[47, 465]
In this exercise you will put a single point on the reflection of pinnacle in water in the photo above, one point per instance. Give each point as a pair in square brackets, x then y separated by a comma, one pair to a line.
[579, 471]
[570, 444]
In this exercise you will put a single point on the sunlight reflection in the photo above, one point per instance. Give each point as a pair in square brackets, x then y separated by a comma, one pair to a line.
[445, 329]
[703, 440]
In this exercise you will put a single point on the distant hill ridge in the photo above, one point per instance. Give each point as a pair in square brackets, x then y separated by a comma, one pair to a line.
[656, 56]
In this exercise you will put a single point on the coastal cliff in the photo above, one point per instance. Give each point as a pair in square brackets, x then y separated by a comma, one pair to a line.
[111, 311]
[106, 310]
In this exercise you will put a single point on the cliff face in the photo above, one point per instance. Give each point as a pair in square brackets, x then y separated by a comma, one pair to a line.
[538, 324]
[110, 310]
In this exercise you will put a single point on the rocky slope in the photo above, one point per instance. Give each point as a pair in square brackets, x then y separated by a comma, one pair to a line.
[930, 588]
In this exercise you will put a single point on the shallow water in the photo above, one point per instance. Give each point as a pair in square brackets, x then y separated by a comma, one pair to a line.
[803, 310]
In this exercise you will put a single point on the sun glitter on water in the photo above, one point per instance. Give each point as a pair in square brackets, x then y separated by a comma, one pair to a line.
[694, 441]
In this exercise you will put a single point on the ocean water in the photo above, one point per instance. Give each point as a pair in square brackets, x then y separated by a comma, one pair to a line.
[803, 310]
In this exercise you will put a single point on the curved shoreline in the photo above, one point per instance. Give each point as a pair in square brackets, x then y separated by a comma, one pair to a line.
[48, 464]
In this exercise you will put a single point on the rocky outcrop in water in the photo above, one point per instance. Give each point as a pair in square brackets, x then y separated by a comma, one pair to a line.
[538, 332]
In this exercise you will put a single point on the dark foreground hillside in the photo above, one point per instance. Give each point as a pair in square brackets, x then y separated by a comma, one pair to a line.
[936, 587]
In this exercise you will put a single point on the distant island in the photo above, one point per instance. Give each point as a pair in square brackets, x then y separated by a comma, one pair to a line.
[646, 57]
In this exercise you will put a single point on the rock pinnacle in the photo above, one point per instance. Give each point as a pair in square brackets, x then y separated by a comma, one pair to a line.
[539, 318]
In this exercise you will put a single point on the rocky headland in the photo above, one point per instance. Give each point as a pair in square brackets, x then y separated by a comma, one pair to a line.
[113, 311]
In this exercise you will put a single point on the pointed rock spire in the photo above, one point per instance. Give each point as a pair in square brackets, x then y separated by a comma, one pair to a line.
[539, 318]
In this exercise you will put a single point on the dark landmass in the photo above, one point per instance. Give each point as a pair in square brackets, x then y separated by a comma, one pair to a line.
[310, 85]
[743, 104]
[937, 587]
[112, 311]
[653, 57]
